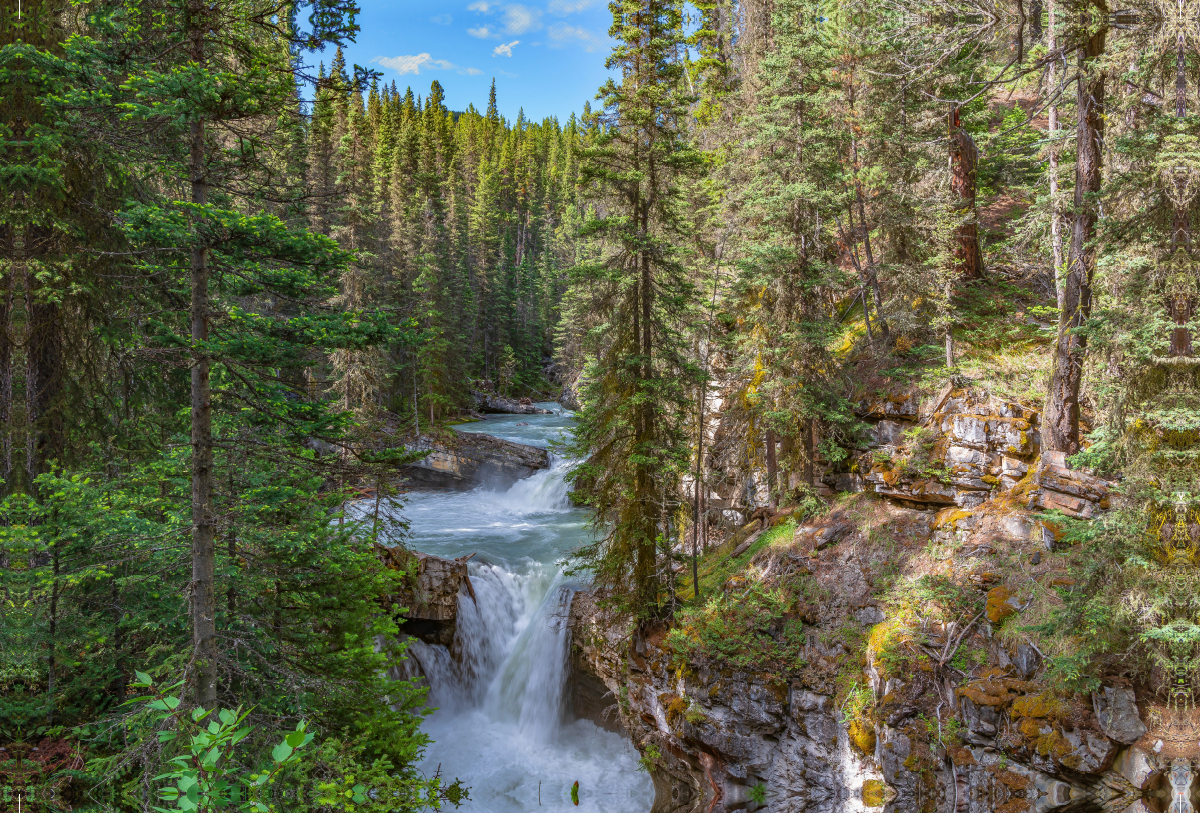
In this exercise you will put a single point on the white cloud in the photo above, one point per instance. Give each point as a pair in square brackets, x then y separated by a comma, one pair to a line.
[520, 19]
[516, 18]
[414, 64]
[442, 19]
[563, 35]
[505, 50]
[563, 7]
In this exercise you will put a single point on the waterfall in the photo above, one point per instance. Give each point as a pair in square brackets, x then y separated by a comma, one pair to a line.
[530, 687]
[510, 651]
[500, 688]
[544, 491]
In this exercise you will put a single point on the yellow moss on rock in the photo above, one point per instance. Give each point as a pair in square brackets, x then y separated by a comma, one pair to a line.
[862, 734]
[873, 793]
[950, 517]
[1036, 705]
[998, 604]
[1030, 728]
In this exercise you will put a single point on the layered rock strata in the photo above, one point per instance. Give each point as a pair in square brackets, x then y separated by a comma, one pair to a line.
[470, 459]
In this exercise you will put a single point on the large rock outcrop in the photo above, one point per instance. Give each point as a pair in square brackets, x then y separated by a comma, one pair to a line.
[430, 601]
[489, 402]
[470, 459]
[962, 448]
[713, 737]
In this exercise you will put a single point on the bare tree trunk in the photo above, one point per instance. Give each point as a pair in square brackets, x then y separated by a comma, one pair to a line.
[204, 597]
[1019, 37]
[772, 471]
[1056, 238]
[964, 159]
[1060, 421]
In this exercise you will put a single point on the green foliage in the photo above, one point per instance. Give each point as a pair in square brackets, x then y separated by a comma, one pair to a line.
[917, 458]
[649, 759]
[209, 771]
[1010, 158]
[631, 432]
[758, 793]
[744, 624]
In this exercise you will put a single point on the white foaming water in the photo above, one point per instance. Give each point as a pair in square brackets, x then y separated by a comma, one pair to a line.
[501, 724]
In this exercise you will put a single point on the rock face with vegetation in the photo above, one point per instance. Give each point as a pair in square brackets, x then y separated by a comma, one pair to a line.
[463, 460]
[877, 651]
[433, 590]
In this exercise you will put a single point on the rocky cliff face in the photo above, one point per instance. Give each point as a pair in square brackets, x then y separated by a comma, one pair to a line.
[714, 738]
[910, 683]
[467, 460]
[489, 402]
[431, 602]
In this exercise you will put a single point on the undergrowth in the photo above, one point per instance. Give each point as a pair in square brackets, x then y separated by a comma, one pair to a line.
[741, 621]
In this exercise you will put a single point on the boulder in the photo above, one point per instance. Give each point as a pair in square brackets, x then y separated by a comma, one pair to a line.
[430, 606]
[472, 458]
[1027, 661]
[1117, 712]
[486, 402]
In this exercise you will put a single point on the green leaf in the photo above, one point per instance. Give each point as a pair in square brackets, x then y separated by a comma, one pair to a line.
[281, 752]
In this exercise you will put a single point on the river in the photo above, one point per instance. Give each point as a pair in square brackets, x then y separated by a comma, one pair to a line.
[501, 723]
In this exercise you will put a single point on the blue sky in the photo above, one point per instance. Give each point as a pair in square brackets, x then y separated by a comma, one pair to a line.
[547, 56]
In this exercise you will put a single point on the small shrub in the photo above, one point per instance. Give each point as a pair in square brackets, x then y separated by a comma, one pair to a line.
[758, 794]
[649, 759]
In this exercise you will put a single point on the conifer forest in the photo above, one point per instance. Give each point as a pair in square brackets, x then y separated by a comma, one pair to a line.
[807, 423]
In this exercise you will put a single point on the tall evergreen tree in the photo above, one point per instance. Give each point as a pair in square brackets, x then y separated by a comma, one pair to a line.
[632, 428]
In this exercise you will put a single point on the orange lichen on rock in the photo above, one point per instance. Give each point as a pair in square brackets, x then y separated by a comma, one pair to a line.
[1000, 604]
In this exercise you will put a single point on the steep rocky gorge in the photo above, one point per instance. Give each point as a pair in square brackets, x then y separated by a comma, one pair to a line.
[888, 699]
[959, 716]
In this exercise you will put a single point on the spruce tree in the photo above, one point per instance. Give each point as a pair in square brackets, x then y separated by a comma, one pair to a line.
[631, 430]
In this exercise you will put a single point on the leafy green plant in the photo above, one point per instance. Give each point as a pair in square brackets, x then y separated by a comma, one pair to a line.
[758, 793]
[917, 458]
[205, 777]
[649, 758]
[747, 625]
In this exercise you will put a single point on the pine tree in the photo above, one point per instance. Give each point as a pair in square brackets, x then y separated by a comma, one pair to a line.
[632, 428]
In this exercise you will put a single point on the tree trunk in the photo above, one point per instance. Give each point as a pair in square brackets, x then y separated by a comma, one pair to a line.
[6, 382]
[872, 278]
[1056, 239]
[964, 159]
[772, 486]
[810, 453]
[1060, 421]
[43, 385]
[699, 477]
[204, 598]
